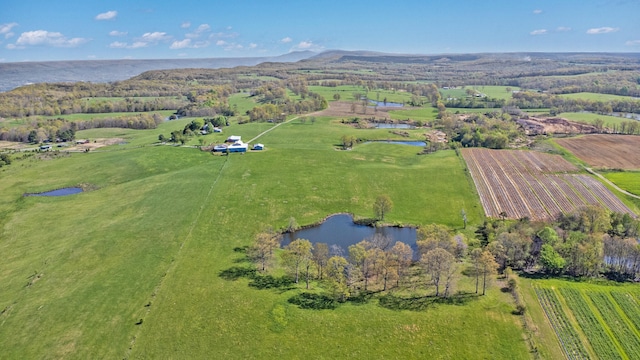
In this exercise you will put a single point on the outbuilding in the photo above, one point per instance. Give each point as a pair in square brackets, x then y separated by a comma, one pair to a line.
[234, 139]
[258, 147]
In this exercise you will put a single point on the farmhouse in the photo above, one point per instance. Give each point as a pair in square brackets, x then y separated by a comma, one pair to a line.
[238, 146]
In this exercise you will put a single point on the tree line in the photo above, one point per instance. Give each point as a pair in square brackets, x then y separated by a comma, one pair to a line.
[52, 130]
[590, 242]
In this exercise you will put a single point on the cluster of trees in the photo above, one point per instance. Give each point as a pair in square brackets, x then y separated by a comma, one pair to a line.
[284, 106]
[588, 242]
[63, 99]
[559, 104]
[194, 128]
[40, 130]
[494, 130]
[5, 159]
[377, 264]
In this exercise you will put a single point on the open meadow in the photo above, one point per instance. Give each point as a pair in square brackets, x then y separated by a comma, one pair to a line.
[130, 268]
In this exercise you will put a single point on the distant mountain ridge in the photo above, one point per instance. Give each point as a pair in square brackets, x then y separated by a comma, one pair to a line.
[13, 75]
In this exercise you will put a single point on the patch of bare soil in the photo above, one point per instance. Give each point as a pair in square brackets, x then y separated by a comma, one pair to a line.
[606, 151]
[94, 144]
[554, 125]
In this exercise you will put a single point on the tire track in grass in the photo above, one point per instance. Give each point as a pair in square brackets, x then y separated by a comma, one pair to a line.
[173, 262]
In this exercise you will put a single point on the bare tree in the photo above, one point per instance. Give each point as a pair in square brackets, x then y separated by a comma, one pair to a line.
[262, 249]
[440, 265]
[382, 206]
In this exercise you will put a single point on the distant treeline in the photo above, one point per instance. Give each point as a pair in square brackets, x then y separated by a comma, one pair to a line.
[64, 130]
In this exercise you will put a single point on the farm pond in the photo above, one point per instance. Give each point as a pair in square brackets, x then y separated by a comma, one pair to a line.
[58, 192]
[339, 231]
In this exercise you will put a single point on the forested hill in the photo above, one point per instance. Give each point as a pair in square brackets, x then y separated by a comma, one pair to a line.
[13, 75]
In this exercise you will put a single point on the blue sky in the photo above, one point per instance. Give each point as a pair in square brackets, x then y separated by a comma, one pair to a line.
[43, 30]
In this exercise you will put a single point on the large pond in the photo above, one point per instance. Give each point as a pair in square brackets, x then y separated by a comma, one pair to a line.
[386, 104]
[339, 231]
[393, 126]
[59, 192]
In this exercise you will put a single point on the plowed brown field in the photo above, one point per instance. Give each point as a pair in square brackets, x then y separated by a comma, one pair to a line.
[534, 185]
[606, 151]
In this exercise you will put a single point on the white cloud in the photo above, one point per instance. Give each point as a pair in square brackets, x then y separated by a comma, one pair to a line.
[602, 30]
[186, 43]
[109, 15]
[253, 46]
[307, 45]
[13, 46]
[138, 44]
[181, 44]
[43, 37]
[154, 37]
[286, 40]
[91, 57]
[223, 35]
[118, 45]
[117, 33]
[537, 11]
[5, 29]
[203, 28]
[539, 32]
[221, 43]
[563, 29]
[632, 43]
[185, 25]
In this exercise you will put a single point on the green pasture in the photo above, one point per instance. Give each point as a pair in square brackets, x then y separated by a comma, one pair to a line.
[496, 92]
[242, 102]
[589, 118]
[346, 93]
[596, 97]
[425, 114]
[130, 269]
[626, 180]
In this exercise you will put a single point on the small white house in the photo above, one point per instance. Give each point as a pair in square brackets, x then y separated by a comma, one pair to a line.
[234, 139]
[258, 147]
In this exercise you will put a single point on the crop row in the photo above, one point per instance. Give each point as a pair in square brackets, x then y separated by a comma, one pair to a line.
[625, 335]
[567, 334]
[630, 307]
[527, 184]
[593, 329]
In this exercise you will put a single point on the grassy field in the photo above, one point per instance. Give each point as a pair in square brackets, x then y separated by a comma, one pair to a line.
[130, 269]
[424, 114]
[346, 93]
[589, 118]
[497, 92]
[626, 180]
[596, 96]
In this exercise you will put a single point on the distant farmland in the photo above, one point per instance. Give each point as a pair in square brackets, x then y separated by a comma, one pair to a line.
[606, 151]
[534, 185]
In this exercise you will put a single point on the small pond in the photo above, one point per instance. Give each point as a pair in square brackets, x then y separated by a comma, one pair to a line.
[59, 192]
[386, 104]
[340, 230]
[410, 143]
[393, 126]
